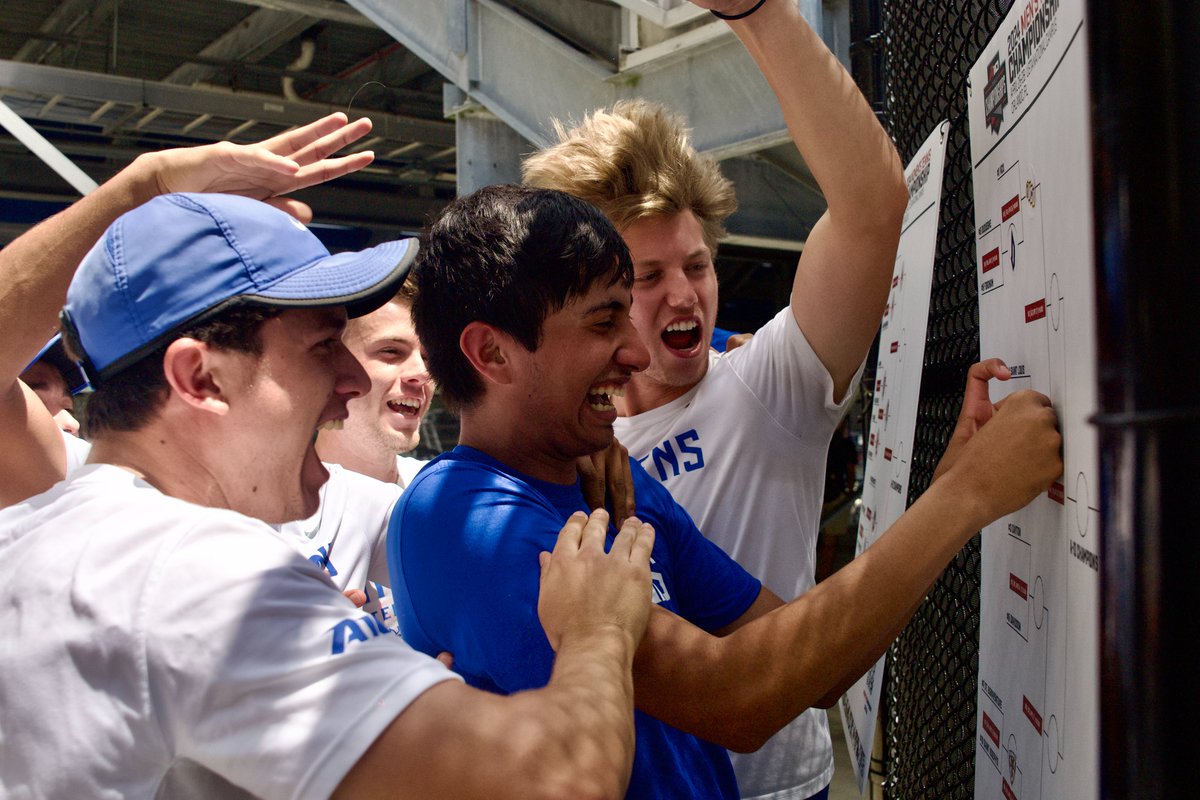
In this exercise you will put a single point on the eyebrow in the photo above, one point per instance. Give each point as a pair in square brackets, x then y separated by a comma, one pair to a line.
[604, 305]
[699, 252]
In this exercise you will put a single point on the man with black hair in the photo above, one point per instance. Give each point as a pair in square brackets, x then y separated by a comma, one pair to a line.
[523, 305]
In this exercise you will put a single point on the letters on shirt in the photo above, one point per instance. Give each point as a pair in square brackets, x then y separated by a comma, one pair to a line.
[682, 452]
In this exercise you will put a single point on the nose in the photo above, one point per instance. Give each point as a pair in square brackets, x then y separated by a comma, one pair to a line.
[632, 354]
[417, 374]
[679, 291]
[66, 420]
[350, 379]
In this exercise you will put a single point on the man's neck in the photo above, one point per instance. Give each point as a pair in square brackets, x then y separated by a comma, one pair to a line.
[506, 444]
[644, 394]
[379, 465]
[162, 463]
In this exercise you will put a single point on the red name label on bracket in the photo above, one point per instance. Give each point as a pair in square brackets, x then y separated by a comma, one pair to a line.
[991, 260]
[1009, 794]
[1011, 208]
[887, 453]
[1035, 311]
[1019, 586]
[1057, 493]
[1032, 713]
[990, 728]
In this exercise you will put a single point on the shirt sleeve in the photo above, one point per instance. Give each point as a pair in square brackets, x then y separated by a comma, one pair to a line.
[264, 673]
[781, 370]
[709, 588]
[463, 550]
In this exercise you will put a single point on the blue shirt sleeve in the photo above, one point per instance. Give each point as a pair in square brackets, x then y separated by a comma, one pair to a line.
[708, 588]
[463, 547]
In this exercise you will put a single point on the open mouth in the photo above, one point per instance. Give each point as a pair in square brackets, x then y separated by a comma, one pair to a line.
[682, 336]
[600, 396]
[405, 406]
[332, 425]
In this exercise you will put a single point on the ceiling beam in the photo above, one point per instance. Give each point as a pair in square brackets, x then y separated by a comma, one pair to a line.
[50, 81]
[320, 9]
[254, 38]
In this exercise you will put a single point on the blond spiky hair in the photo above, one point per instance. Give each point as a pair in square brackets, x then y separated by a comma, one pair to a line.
[634, 161]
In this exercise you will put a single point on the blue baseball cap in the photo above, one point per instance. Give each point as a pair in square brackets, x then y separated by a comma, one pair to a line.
[182, 258]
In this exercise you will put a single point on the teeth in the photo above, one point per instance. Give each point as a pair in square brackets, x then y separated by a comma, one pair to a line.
[332, 425]
[406, 402]
[602, 406]
[608, 390]
[689, 325]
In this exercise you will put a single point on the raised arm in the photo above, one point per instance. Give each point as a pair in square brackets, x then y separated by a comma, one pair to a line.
[781, 659]
[37, 267]
[572, 738]
[844, 274]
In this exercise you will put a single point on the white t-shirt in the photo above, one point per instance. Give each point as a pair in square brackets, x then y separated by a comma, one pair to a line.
[744, 452]
[351, 519]
[408, 467]
[150, 643]
[348, 536]
[77, 451]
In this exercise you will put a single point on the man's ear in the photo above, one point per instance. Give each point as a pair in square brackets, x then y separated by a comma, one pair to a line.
[489, 350]
[192, 371]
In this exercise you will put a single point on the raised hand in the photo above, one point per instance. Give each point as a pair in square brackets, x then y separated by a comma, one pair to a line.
[265, 170]
[1011, 459]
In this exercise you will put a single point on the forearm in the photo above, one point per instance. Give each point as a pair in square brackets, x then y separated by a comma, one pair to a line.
[36, 269]
[34, 457]
[572, 738]
[740, 689]
[831, 123]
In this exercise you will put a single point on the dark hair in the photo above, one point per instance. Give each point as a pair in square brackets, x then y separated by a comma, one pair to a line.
[127, 400]
[508, 256]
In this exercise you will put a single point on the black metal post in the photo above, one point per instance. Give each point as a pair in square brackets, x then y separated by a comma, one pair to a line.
[1145, 80]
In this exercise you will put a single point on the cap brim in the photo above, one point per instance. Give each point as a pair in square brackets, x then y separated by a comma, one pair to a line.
[361, 281]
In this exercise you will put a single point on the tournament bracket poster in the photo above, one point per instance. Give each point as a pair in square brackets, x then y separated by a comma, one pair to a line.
[1037, 725]
[893, 420]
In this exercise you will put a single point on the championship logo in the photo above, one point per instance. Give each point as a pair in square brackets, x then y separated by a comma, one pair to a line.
[995, 94]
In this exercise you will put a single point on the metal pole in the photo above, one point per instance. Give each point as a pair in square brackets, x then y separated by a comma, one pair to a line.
[1145, 80]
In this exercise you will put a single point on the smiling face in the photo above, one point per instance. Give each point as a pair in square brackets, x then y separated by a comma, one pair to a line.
[565, 389]
[386, 420]
[674, 304]
[302, 381]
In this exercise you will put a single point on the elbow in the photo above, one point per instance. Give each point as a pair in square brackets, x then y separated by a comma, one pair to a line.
[747, 741]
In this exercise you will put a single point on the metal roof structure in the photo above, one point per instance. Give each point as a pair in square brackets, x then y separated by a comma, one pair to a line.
[104, 80]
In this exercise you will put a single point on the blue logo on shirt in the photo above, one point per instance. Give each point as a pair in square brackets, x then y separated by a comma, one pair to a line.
[681, 452]
[321, 559]
[355, 630]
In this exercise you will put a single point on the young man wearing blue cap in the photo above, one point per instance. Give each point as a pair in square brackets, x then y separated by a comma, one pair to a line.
[524, 305]
[36, 268]
[176, 645]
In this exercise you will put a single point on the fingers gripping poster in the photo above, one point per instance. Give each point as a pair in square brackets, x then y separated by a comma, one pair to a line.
[894, 409]
[1037, 724]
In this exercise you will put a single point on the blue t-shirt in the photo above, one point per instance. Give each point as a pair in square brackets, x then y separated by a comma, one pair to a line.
[463, 547]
